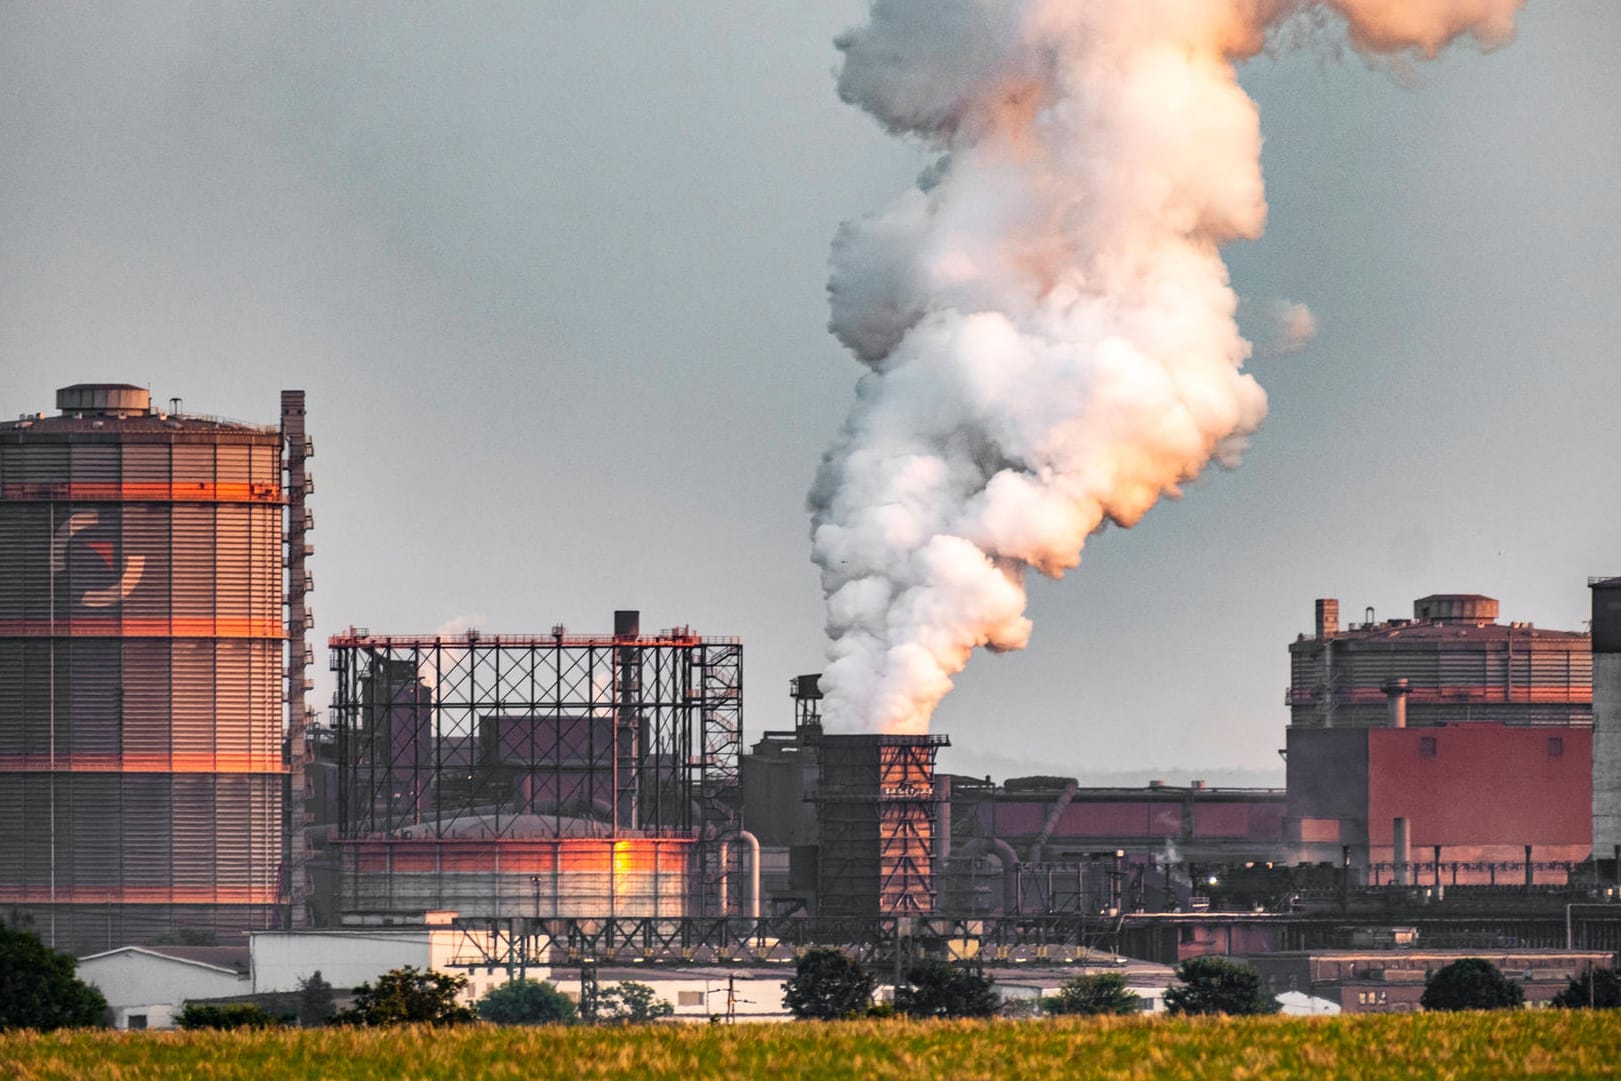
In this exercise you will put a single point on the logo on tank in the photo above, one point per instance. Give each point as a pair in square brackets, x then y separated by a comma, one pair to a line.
[92, 550]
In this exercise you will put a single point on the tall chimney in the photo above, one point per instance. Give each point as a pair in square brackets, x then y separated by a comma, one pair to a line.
[1328, 617]
[630, 734]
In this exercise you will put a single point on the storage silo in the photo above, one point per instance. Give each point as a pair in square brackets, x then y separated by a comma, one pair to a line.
[141, 638]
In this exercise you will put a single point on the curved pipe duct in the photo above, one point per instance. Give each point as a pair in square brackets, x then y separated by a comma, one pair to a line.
[1009, 859]
[1057, 812]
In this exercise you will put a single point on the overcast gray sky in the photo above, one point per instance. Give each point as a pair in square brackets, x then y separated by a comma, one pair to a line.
[552, 275]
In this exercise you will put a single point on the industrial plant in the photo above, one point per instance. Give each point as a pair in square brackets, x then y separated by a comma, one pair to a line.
[566, 798]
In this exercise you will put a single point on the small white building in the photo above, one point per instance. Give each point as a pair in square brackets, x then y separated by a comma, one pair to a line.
[145, 986]
[699, 992]
[350, 956]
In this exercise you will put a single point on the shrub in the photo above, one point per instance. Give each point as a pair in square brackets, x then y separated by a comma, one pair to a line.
[937, 989]
[826, 986]
[631, 1003]
[1216, 985]
[1471, 984]
[408, 995]
[1598, 988]
[200, 1015]
[316, 1003]
[1090, 995]
[528, 1002]
[38, 988]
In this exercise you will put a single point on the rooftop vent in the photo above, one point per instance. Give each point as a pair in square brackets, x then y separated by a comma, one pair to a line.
[1455, 608]
[106, 399]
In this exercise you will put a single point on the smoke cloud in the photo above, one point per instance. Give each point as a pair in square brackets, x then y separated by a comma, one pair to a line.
[1293, 328]
[1046, 317]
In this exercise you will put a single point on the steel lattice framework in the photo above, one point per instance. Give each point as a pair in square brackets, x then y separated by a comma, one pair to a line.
[562, 735]
[877, 941]
[876, 804]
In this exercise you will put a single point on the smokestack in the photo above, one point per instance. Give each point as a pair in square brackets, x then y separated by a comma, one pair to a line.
[1046, 317]
[1328, 617]
[1396, 695]
[1401, 851]
[629, 726]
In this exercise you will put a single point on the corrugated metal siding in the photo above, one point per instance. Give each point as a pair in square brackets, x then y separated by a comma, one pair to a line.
[174, 796]
[94, 695]
[147, 729]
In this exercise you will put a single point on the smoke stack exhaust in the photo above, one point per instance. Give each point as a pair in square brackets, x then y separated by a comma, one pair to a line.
[1046, 318]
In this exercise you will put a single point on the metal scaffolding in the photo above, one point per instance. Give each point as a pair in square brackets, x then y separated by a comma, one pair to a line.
[560, 736]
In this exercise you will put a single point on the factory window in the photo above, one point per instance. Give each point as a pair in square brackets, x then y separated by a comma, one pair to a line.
[136, 1021]
[689, 998]
[1556, 746]
[1426, 746]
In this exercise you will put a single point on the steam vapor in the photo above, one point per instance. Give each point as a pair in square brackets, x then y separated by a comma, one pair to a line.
[1046, 317]
[1293, 328]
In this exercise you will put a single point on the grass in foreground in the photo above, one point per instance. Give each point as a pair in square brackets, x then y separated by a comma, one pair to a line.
[1509, 1044]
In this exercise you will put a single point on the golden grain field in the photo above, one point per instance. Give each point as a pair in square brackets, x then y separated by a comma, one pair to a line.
[1510, 1044]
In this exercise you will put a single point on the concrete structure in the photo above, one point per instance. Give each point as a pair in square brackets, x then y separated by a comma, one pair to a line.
[141, 654]
[1607, 720]
[146, 986]
[1392, 981]
[1446, 749]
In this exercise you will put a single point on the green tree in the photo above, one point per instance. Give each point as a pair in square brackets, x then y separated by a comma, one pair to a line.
[827, 986]
[316, 1003]
[408, 995]
[938, 989]
[1217, 985]
[631, 1003]
[1471, 984]
[1097, 993]
[200, 1015]
[1599, 988]
[528, 1002]
[38, 988]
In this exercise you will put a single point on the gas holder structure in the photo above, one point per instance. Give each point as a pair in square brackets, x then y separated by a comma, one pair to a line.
[561, 775]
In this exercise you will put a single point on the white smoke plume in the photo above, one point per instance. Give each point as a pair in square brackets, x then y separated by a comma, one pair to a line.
[1293, 328]
[1046, 316]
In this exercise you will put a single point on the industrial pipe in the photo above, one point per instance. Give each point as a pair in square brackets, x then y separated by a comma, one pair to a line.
[753, 844]
[754, 871]
[1009, 860]
[1396, 692]
[1053, 816]
[1400, 850]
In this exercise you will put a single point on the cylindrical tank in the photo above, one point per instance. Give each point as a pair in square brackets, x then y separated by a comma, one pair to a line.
[141, 641]
[540, 875]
